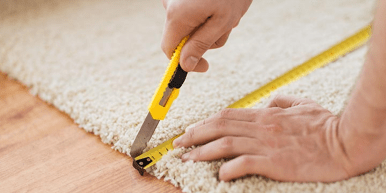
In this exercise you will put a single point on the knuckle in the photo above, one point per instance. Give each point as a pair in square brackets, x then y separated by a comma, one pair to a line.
[255, 114]
[277, 97]
[246, 160]
[226, 143]
[200, 45]
[191, 134]
[171, 10]
[221, 124]
[312, 111]
[196, 153]
[225, 113]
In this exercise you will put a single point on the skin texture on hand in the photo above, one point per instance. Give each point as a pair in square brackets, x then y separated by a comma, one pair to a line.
[291, 140]
[208, 22]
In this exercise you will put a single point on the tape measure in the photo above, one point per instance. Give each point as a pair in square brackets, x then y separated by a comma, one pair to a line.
[152, 156]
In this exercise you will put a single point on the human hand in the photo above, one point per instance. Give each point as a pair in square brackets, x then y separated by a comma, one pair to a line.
[293, 139]
[209, 22]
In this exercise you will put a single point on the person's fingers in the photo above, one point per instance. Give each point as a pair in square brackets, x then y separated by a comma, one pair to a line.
[229, 113]
[215, 130]
[226, 147]
[246, 164]
[201, 41]
[202, 66]
[284, 102]
[182, 18]
[221, 41]
[174, 32]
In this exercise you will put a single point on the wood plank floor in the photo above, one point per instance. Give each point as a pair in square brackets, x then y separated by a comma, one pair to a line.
[43, 150]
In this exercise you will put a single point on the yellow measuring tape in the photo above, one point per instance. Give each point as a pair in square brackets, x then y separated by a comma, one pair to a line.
[152, 156]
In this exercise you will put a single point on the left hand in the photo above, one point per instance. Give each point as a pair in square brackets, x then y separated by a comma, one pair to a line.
[293, 139]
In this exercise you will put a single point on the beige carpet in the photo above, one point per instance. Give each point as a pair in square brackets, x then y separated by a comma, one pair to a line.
[100, 62]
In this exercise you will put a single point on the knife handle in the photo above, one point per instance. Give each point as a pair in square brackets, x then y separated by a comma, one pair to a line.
[173, 78]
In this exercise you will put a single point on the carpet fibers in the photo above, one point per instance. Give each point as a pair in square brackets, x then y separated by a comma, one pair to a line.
[100, 62]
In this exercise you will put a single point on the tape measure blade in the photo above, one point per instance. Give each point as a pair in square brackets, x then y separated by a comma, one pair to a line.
[156, 153]
[306, 68]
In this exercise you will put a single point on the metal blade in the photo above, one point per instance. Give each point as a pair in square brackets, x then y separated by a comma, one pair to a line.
[143, 136]
[147, 129]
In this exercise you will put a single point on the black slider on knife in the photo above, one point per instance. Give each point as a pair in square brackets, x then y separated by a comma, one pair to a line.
[178, 78]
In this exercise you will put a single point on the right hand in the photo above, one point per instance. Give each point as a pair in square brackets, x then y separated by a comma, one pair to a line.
[209, 22]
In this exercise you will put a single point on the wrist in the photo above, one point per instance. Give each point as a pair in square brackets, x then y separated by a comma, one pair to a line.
[362, 131]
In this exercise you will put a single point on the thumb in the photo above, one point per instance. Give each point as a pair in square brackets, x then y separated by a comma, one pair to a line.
[284, 102]
[202, 40]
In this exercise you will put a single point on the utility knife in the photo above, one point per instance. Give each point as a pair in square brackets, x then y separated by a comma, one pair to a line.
[163, 98]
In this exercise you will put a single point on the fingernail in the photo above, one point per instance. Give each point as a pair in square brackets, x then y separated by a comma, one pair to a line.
[191, 63]
[185, 156]
[189, 128]
[177, 142]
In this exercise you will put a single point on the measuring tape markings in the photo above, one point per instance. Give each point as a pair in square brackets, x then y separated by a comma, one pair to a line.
[152, 156]
[307, 67]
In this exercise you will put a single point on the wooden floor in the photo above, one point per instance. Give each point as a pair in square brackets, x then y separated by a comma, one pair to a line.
[42, 150]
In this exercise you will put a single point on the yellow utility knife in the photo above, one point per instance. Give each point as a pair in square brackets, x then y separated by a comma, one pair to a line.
[163, 98]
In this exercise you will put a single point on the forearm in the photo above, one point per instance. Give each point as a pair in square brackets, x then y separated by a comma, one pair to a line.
[363, 123]
[372, 84]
